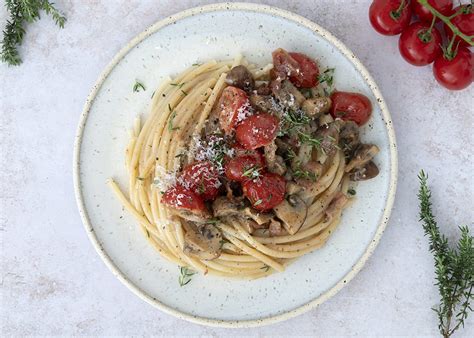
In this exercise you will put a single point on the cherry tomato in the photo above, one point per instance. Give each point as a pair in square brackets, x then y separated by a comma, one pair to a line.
[250, 165]
[181, 198]
[266, 191]
[233, 105]
[309, 71]
[202, 178]
[455, 74]
[351, 106]
[445, 7]
[464, 22]
[385, 17]
[418, 46]
[257, 131]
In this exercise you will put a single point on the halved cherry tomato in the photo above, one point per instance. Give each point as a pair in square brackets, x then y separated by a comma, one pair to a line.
[266, 191]
[445, 7]
[457, 73]
[418, 45]
[464, 22]
[308, 74]
[390, 17]
[181, 198]
[351, 106]
[236, 167]
[257, 131]
[202, 178]
[233, 101]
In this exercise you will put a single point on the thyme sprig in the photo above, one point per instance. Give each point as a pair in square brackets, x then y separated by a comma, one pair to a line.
[454, 267]
[185, 275]
[138, 86]
[20, 13]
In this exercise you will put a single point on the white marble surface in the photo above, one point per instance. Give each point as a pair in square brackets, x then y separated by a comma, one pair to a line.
[52, 281]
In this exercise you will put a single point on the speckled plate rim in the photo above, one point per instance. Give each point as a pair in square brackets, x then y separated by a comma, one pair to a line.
[360, 68]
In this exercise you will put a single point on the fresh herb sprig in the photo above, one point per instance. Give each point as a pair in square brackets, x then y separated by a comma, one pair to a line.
[20, 13]
[252, 172]
[185, 275]
[305, 174]
[454, 267]
[171, 119]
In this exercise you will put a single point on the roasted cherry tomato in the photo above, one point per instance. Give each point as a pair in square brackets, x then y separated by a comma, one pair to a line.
[457, 73]
[445, 7]
[241, 168]
[202, 178]
[308, 74]
[351, 106]
[257, 131]
[181, 198]
[283, 64]
[390, 17]
[233, 105]
[464, 22]
[266, 191]
[419, 45]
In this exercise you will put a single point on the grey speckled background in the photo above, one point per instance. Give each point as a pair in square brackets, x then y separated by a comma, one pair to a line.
[52, 281]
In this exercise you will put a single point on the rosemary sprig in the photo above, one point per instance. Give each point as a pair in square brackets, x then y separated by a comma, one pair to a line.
[170, 119]
[454, 267]
[308, 139]
[305, 174]
[252, 172]
[21, 12]
[185, 275]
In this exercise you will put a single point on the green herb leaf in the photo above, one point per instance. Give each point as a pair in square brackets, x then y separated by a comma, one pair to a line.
[138, 86]
[351, 192]
[185, 275]
[170, 121]
[252, 172]
[265, 268]
[179, 85]
[258, 202]
[305, 174]
[308, 139]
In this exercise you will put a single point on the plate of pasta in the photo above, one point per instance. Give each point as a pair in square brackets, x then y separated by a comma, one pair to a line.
[235, 179]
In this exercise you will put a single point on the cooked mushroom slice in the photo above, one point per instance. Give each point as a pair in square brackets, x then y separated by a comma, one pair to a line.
[325, 119]
[349, 137]
[240, 77]
[259, 217]
[292, 212]
[367, 172]
[191, 215]
[248, 224]
[275, 163]
[288, 95]
[204, 242]
[304, 155]
[264, 89]
[274, 228]
[316, 106]
[363, 154]
[338, 202]
[328, 135]
[222, 206]
[293, 188]
[262, 102]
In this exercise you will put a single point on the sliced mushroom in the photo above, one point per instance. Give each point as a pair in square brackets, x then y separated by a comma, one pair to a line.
[259, 217]
[338, 202]
[198, 216]
[325, 119]
[223, 206]
[248, 224]
[316, 106]
[275, 163]
[362, 155]
[304, 155]
[293, 188]
[274, 228]
[292, 212]
[240, 77]
[288, 95]
[203, 242]
[328, 135]
[367, 172]
[264, 89]
[349, 137]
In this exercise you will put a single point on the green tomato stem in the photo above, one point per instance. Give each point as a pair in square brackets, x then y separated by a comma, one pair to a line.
[447, 21]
